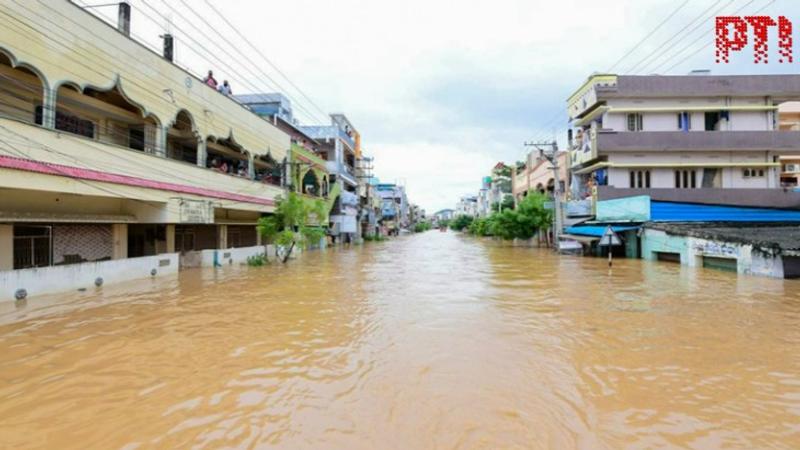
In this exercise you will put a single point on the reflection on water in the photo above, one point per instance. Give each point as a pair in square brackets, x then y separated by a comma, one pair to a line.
[430, 341]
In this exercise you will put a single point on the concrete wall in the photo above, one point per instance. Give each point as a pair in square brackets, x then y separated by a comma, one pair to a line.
[664, 177]
[234, 256]
[692, 251]
[49, 280]
[668, 120]
[6, 247]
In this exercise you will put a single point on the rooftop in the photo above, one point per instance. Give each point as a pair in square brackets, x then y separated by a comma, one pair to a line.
[775, 237]
[780, 86]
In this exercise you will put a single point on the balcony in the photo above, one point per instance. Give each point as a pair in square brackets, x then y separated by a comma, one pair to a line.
[342, 171]
[785, 142]
[329, 132]
[756, 198]
[44, 159]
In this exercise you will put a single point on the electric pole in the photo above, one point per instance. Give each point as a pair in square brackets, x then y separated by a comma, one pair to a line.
[551, 154]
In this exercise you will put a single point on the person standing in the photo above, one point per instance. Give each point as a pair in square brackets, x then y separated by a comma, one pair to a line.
[210, 80]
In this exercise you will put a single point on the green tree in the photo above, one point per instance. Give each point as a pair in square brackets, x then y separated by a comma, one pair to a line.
[289, 226]
[461, 223]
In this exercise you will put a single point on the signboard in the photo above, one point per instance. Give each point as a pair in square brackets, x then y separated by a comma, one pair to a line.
[193, 211]
[610, 238]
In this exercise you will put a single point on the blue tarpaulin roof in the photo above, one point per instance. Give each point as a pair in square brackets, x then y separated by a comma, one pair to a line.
[597, 230]
[688, 212]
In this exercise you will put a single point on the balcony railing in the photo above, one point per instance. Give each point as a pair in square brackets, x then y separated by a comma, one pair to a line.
[329, 132]
[761, 198]
[788, 141]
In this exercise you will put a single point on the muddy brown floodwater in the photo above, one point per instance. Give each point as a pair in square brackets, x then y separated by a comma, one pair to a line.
[425, 342]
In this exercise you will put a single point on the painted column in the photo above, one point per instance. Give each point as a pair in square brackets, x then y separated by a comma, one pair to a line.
[49, 101]
[161, 141]
[170, 238]
[222, 237]
[251, 167]
[119, 236]
[6, 247]
[202, 153]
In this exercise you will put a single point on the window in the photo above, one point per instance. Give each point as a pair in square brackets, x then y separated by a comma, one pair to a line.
[74, 124]
[635, 122]
[753, 173]
[136, 138]
[639, 179]
[684, 121]
[32, 247]
[685, 179]
[712, 121]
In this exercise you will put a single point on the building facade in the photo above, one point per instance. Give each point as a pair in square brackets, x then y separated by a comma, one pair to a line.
[109, 151]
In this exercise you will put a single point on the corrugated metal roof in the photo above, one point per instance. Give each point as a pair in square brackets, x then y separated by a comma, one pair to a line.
[598, 231]
[688, 212]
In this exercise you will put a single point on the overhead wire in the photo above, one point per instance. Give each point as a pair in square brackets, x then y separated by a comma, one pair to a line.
[651, 33]
[678, 34]
[686, 35]
[227, 61]
[261, 54]
[146, 90]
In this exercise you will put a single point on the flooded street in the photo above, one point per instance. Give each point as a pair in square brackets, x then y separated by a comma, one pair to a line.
[429, 341]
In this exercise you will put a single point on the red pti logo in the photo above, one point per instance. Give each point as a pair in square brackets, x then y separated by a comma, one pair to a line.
[732, 35]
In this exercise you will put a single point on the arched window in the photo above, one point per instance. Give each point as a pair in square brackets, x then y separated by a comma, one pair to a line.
[21, 91]
[182, 139]
[310, 184]
[226, 156]
[107, 115]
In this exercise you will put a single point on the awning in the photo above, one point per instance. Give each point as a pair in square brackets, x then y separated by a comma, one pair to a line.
[581, 239]
[598, 230]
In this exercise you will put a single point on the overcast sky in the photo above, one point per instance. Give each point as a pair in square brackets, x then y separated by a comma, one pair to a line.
[442, 90]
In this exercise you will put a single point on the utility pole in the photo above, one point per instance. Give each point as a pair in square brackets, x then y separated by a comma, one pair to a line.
[551, 154]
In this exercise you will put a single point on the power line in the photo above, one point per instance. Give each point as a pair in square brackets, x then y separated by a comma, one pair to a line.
[636, 47]
[201, 103]
[671, 38]
[711, 42]
[690, 32]
[244, 38]
[223, 50]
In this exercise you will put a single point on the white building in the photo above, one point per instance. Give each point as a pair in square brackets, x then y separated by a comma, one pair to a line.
[649, 134]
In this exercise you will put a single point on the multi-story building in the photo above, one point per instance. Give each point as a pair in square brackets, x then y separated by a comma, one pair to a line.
[467, 206]
[339, 145]
[682, 137]
[699, 149]
[304, 170]
[110, 153]
[394, 207]
[537, 176]
[500, 189]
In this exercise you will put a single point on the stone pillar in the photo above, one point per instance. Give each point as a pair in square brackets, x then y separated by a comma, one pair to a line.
[170, 238]
[119, 236]
[251, 167]
[222, 237]
[6, 247]
[259, 239]
[49, 101]
[161, 141]
[202, 153]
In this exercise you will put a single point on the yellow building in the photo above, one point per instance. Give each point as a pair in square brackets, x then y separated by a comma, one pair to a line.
[110, 151]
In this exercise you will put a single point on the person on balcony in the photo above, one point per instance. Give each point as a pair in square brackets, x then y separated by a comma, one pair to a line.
[210, 80]
[225, 89]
